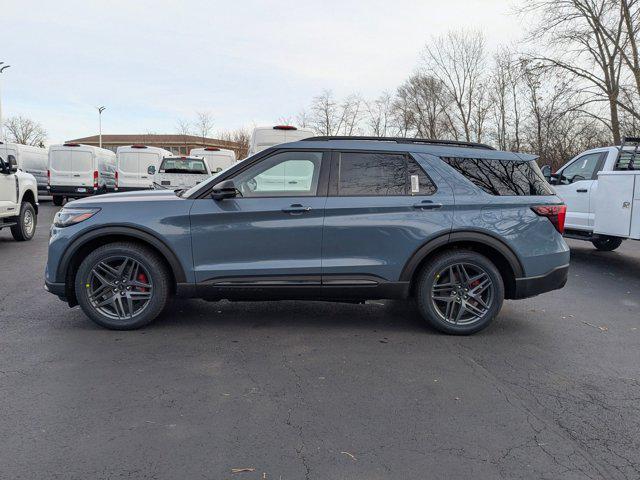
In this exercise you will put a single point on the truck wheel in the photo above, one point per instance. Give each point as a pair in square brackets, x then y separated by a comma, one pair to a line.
[459, 292]
[25, 229]
[122, 286]
[57, 200]
[606, 244]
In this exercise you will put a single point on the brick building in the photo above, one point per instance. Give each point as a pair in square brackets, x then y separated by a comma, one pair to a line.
[177, 144]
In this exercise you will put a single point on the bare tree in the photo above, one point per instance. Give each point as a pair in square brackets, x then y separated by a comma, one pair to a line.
[25, 131]
[324, 113]
[585, 38]
[183, 127]
[203, 125]
[457, 59]
[379, 115]
[238, 140]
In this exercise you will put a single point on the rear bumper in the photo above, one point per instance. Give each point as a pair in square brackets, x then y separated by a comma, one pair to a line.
[531, 286]
[71, 191]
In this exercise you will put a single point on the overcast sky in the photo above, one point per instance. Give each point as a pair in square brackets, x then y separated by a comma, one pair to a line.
[247, 62]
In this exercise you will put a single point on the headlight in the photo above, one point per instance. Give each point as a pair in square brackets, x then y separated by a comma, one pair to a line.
[71, 216]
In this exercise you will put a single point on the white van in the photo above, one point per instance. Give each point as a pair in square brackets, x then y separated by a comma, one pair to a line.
[77, 170]
[132, 165]
[30, 159]
[217, 158]
[265, 137]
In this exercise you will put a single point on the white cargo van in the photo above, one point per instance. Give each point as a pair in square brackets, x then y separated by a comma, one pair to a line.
[30, 159]
[132, 165]
[265, 137]
[77, 170]
[218, 159]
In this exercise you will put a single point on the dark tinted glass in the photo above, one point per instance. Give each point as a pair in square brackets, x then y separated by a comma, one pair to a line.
[425, 185]
[628, 161]
[372, 174]
[503, 177]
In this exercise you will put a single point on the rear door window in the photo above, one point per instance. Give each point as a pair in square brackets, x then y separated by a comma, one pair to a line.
[502, 177]
[61, 160]
[381, 174]
[129, 162]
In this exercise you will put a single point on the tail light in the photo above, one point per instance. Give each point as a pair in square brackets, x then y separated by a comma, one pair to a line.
[555, 213]
[95, 179]
[49, 177]
[116, 179]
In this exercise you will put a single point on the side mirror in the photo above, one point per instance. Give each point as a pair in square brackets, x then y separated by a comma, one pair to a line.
[222, 190]
[5, 168]
[546, 172]
[151, 170]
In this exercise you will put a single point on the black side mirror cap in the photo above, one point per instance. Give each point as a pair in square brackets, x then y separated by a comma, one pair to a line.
[222, 190]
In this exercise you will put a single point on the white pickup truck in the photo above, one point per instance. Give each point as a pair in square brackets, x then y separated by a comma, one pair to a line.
[18, 200]
[601, 188]
[180, 172]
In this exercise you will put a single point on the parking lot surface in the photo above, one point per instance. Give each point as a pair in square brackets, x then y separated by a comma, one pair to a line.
[313, 390]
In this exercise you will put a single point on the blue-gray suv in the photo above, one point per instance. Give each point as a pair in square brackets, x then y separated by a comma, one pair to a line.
[455, 226]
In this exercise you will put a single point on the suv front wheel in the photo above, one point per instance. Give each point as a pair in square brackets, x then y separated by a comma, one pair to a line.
[122, 286]
[460, 292]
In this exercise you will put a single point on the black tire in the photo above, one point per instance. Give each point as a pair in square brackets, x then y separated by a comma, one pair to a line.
[25, 229]
[606, 244]
[156, 269]
[436, 268]
[58, 200]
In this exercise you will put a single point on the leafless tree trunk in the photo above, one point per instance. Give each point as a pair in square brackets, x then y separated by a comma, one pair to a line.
[25, 131]
[204, 125]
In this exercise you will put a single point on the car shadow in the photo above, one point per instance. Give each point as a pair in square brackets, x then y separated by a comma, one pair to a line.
[618, 263]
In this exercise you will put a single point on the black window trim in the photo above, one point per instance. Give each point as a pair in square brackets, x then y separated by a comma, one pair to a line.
[333, 179]
[599, 165]
[323, 180]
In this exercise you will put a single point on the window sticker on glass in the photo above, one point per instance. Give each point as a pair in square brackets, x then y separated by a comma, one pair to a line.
[415, 184]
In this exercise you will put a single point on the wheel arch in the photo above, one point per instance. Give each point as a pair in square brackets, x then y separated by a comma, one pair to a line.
[81, 247]
[493, 248]
[29, 196]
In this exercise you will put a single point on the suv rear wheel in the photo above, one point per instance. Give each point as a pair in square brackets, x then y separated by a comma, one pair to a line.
[122, 286]
[25, 228]
[460, 292]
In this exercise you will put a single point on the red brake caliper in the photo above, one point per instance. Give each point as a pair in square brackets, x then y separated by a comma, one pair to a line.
[142, 278]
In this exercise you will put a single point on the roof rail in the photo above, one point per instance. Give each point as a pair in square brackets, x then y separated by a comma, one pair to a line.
[452, 143]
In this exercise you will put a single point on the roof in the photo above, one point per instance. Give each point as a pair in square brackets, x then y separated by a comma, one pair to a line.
[129, 139]
[392, 146]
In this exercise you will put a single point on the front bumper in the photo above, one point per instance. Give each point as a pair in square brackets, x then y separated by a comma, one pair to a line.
[56, 289]
[531, 286]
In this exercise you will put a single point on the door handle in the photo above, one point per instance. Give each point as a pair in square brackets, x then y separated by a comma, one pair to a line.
[582, 190]
[296, 209]
[427, 205]
[76, 174]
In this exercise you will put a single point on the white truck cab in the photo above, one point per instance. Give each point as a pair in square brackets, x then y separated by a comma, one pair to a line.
[265, 137]
[18, 200]
[601, 188]
[180, 172]
[217, 159]
[77, 170]
[132, 166]
[31, 159]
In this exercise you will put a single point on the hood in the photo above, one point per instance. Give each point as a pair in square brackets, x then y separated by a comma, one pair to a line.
[135, 196]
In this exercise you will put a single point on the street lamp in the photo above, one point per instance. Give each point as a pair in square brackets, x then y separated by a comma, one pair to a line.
[100, 110]
[2, 69]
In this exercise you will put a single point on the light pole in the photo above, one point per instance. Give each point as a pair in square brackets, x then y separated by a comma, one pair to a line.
[2, 69]
[100, 110]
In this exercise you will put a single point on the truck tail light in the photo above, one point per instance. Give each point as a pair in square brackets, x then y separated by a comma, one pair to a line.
[555, 213]
[95, 179]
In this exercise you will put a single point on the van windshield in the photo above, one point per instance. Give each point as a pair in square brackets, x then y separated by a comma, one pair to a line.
[183, 165]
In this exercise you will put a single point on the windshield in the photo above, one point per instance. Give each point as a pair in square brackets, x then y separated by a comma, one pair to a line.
[209, 181]
[183, 165]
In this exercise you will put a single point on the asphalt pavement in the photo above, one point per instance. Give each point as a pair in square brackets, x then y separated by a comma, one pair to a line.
[314, 390]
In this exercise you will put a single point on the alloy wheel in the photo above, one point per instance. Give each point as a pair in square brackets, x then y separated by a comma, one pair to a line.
[28, 223]
[119, 287]
[462, 293]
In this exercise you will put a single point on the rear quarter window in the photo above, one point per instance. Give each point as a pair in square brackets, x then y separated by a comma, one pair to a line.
[502, 177]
